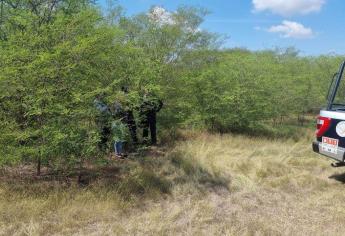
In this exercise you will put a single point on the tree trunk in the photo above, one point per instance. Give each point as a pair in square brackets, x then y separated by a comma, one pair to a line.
[38, 173]
[80, 172]
[300, 119]
[303, 118]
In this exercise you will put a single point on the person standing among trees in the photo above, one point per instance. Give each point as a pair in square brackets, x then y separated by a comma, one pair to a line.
[103, 121]
[119, 136]
[119, 128]
[129, 118]
[148, 109]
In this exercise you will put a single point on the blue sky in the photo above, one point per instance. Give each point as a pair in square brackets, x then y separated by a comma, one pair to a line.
[312, 26]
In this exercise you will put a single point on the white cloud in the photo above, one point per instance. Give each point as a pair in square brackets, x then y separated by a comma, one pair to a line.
[161, 16]
[291, 29]
[289, 7]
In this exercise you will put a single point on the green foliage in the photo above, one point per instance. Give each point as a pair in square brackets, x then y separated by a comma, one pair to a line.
[244, 89]
[48, 82]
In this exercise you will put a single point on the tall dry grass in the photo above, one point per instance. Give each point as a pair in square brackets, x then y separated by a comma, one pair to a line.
[205, 185]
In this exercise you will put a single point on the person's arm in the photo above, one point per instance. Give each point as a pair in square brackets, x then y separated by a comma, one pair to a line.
[160, 105]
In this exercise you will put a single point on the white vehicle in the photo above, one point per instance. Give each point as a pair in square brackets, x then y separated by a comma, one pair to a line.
[330, 133]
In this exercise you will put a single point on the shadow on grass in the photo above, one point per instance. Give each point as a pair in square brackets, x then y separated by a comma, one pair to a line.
[150, 174]
[195, 173]
[127, 179]
[338, 177]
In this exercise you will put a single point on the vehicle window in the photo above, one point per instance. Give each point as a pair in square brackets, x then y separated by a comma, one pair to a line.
[339, 99]
[331, 87]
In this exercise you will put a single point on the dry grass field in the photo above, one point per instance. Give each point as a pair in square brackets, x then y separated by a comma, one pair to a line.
[205, 185]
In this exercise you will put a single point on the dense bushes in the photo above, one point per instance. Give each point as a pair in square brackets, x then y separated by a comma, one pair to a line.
[245, 88]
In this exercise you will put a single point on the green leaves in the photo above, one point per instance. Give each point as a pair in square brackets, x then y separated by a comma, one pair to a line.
[243, 89]
[48, 80]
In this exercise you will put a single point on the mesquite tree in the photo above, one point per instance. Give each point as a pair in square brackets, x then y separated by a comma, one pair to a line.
[50, 75]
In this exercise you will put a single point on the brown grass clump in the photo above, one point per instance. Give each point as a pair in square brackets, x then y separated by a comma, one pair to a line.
[205, 185]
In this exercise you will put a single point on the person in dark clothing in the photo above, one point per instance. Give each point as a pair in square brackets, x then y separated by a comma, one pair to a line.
[129, 119]
[102, 120]
[148, 111]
